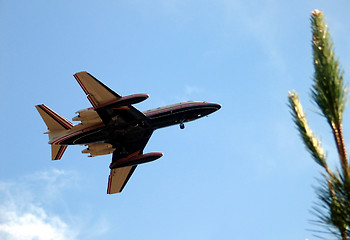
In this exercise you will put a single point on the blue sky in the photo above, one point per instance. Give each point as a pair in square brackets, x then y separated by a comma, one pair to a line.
[241, 173]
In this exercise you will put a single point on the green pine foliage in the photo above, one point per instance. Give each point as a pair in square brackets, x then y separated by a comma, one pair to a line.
[330, 95]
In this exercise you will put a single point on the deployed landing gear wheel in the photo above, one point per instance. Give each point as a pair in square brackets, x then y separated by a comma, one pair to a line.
[182, 125]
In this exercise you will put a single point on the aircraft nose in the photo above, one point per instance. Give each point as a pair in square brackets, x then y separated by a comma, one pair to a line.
[216, 106]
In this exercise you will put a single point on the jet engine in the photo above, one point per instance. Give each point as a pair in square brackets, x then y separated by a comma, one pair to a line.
[97, 149]
[88, 117]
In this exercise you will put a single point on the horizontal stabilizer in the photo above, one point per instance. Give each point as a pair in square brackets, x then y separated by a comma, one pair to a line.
[118, 178]
[57, 151]
[53, 121]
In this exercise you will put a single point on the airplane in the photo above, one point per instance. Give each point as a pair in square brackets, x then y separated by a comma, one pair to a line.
[114, 126]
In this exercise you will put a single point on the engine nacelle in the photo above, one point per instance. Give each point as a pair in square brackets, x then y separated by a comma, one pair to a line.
[97, 149]
[86, 114]
[135, 160]
[88, 117]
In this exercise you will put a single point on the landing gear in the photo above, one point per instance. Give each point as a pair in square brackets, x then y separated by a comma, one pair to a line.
[182, 125]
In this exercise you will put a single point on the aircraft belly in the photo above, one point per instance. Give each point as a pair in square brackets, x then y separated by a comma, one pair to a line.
[115, 136]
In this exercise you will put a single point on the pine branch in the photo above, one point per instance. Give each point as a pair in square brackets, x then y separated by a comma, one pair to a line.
[329, 92]
[330, 95]
[313, 145]
[328, 89]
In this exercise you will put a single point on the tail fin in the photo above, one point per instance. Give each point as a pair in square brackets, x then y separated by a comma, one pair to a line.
[57, 125]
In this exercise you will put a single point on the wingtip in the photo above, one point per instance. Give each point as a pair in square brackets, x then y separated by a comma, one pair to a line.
[79, 72]
[39, 105]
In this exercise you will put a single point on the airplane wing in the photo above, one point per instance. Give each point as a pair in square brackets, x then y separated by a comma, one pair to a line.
[102, 98]
[97, 93]
[136, 125]
[119, 177]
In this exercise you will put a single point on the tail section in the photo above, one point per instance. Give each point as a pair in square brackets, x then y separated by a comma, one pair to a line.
[54, 121]
[57, 151]
[57, 126]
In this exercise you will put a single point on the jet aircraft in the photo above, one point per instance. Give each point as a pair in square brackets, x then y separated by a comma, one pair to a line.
[114, 126]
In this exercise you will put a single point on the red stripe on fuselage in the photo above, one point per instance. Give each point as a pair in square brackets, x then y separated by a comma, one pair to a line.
[65, 137]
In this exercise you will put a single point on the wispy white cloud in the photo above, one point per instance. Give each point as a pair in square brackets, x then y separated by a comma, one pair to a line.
[190, 90]
[34, 223]
[22, 211]
[52, 183]
[35, 207]
[189, 93]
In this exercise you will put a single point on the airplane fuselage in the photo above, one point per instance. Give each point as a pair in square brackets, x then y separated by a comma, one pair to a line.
[179, 113]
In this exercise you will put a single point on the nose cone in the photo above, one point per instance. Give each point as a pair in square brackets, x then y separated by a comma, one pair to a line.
[214, 106]
[210, 108]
